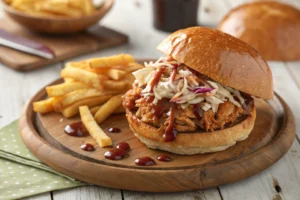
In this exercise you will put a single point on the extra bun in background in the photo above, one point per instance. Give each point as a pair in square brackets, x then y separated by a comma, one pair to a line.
[272, 28]
[222, 58]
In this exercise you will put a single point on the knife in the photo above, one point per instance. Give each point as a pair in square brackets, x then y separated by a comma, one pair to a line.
[23, 44]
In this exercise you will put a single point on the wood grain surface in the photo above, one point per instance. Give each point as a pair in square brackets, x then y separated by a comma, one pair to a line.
[272, 136]
[64, 46]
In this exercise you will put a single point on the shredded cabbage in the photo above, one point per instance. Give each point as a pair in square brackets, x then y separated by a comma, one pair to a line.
[206, 107]
[143, 75]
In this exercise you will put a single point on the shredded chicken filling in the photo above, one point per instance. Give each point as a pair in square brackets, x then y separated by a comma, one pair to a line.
[200, 102]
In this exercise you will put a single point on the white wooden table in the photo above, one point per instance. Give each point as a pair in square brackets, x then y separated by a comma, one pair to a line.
[134, 17]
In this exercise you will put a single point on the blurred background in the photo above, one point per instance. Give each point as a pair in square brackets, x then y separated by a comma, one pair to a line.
[136, 20]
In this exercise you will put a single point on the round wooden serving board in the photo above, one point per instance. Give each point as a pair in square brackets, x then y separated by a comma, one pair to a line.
[44, 135]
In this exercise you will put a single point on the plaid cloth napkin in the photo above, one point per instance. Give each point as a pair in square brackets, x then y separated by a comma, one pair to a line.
[21, 173]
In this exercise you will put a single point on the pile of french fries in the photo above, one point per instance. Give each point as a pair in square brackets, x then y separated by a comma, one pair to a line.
[67, 8]
[92, 87]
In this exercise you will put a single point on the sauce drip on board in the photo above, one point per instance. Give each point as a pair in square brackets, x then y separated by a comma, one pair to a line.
[76, 129]
[114, 130]
[144, 161]
[87, 147]
[123, 145]
[115, 154]
[171, 132]
[164, 158]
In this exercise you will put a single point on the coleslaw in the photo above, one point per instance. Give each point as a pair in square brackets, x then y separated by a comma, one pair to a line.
[167, 78]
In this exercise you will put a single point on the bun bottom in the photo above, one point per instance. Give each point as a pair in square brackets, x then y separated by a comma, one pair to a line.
[194, 142]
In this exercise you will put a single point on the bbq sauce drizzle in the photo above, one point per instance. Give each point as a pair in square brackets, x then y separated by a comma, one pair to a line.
[156, 78]
[173, 75]
[171, 132]
[163, 104]
[198, 112]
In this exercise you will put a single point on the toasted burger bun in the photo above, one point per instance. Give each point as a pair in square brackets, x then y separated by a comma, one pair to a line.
[271, 28]
[192, 143]
[221, 57]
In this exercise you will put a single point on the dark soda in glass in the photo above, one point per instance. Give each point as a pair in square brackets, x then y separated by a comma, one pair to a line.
[171, 15]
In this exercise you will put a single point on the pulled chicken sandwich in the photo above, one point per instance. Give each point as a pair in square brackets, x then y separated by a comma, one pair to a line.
[199, 97]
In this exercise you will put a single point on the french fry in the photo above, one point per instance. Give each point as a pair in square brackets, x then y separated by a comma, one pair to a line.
[75, 96]
[94, 129]
[67, 8]
[84, 76]
[122, 59]
[129, 78]
[94, 92]
[65, 88]
[81, 64]
[102, 70]
[60, 8]
[44, 106]
[132, 67]
[87, 7]
[84, 5]
[117, 86]
[27, 9]
[8, 1]
[69, 80]
[84, 65]
[116, 74]
[93, 110]
[108, 108]
[119, 110]
[73, 109]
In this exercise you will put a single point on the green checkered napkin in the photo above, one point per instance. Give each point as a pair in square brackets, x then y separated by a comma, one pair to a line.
[21, 173]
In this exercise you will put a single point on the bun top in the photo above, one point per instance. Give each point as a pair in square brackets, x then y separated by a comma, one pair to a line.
[271, 28]
[222, 58]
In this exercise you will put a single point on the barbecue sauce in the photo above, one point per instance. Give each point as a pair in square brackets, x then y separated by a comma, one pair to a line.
[248, 103]
[173, 75]
[171, 132]
[76, 129]
[123, 145]
[156, 78]
[114, 130]
[198, 111]
[87, 147]
[144, 161]
[161, 106]
[150, 99]
[164, 158]
[115, 154]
